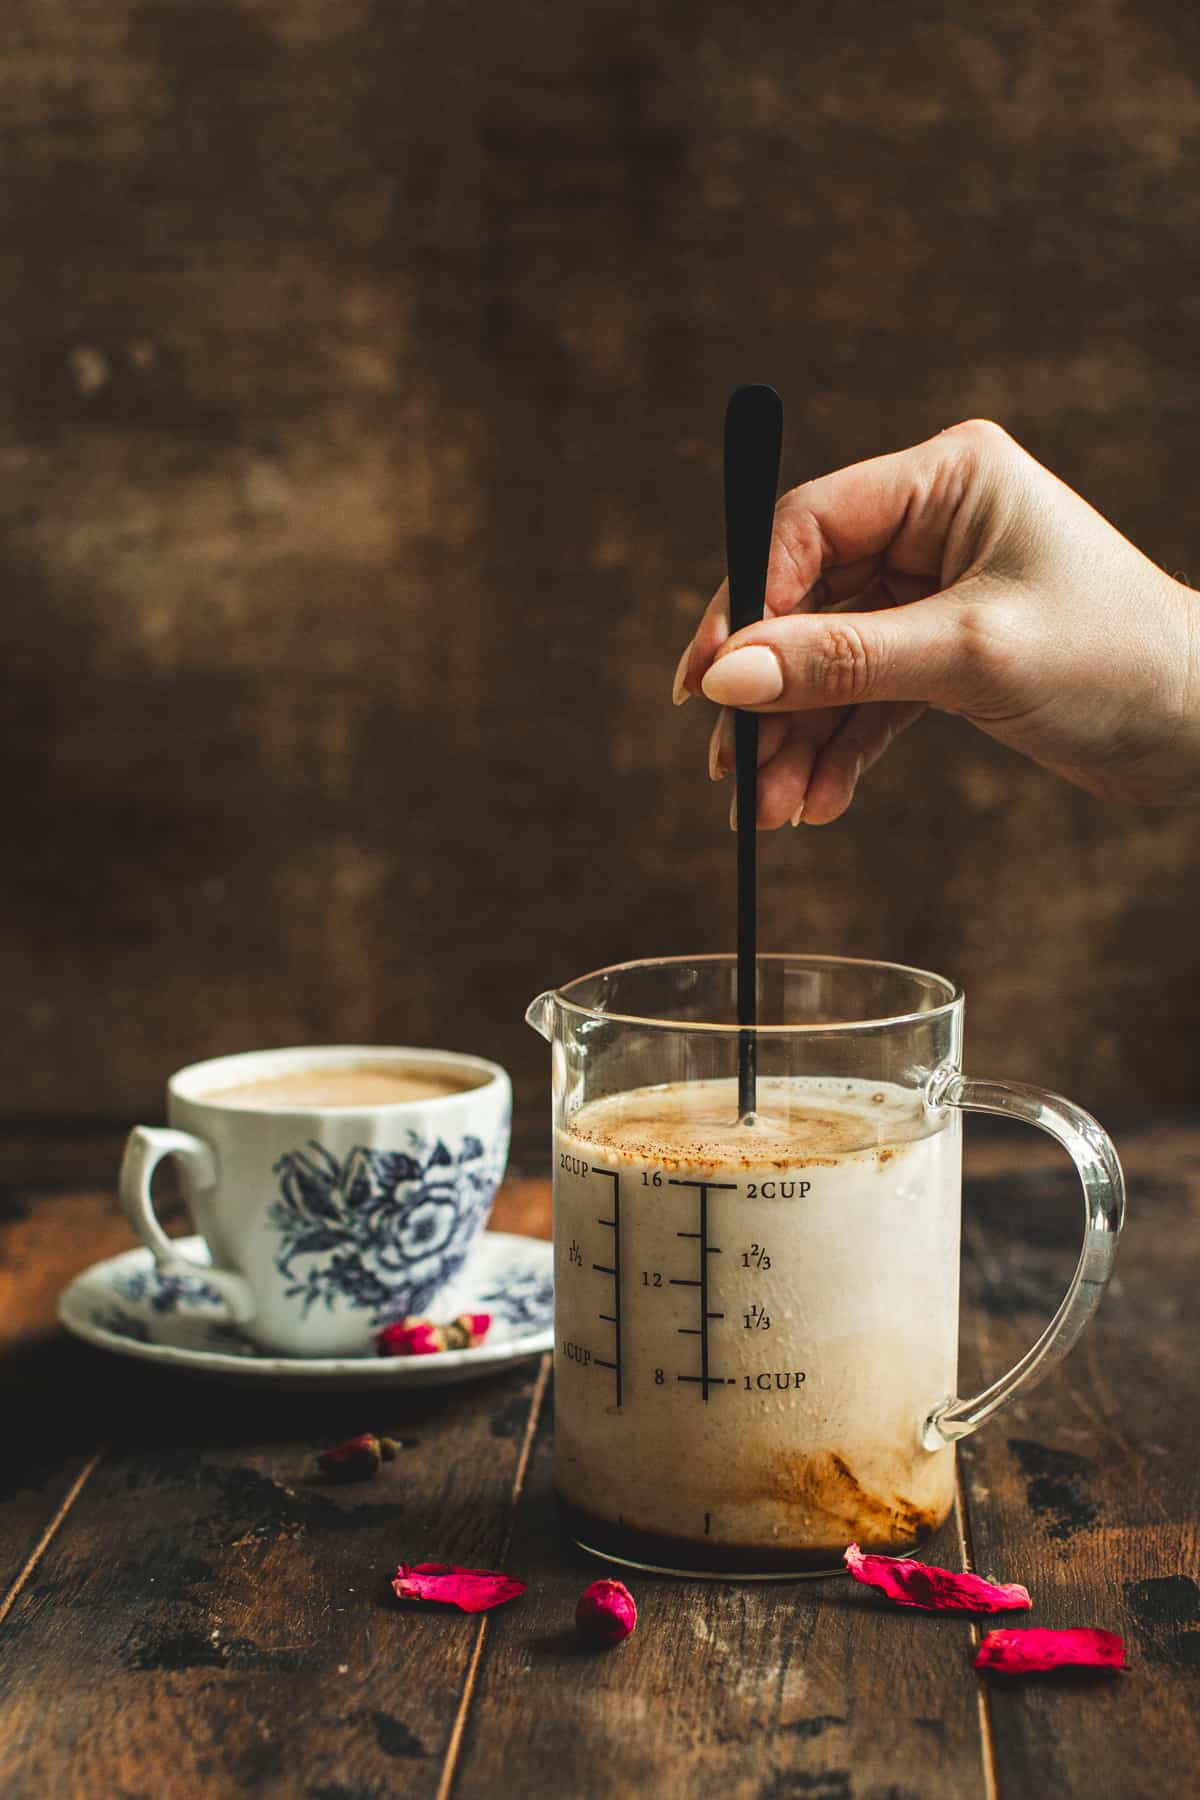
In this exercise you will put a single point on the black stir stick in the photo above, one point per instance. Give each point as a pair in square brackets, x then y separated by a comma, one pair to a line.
[753, 438]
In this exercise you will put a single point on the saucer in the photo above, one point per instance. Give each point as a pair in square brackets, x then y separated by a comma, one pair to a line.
[127, 1305]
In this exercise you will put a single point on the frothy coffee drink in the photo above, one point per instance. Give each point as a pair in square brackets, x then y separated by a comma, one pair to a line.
[753, 1323]
[342, 1084]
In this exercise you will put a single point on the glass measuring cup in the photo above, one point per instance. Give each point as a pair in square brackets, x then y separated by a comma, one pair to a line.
[756, 1323]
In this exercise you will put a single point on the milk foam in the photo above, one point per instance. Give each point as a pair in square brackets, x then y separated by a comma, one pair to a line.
[834, 1219]
[794, 1123]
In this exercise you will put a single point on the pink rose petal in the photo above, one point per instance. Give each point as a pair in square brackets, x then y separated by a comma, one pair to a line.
[471, 1590]
[477, 1326]
[1037, 1649]
[911, 1583]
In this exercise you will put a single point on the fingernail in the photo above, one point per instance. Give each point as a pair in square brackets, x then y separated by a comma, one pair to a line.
[733, 811]
[679, 691]
[749, 677]
[798, 814]
[718, 742]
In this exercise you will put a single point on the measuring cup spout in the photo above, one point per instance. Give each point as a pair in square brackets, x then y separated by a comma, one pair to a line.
[540, 1014]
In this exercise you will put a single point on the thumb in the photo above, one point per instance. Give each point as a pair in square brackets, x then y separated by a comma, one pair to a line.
[928, 650]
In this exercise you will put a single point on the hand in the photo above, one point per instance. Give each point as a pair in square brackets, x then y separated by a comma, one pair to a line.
[964, 576]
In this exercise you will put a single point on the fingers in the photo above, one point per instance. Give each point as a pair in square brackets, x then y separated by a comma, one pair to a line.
[783, 782]
[858, 742]
[810, 763]
[899, 513]
[771, 733]
[813, 774]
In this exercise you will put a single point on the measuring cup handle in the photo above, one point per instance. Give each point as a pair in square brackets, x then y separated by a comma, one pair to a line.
[1095, 1158]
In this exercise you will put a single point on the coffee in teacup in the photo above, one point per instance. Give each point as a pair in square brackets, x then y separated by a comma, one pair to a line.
[337, 1085]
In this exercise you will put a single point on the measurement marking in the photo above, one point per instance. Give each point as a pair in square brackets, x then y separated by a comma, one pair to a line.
[601, 1364]
[705, 1379]
[709, 1249]
[707, 1520]
[674, 1181]
[677, 1281]
[704, 1290]
[688, 1330]
[613, 1318]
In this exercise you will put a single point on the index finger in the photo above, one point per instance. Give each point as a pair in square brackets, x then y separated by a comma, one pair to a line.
[830, 534]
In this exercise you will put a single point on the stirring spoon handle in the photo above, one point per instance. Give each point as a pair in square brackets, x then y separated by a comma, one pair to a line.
[753, 442]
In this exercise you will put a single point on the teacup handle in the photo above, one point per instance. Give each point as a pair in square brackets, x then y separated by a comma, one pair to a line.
[144, 1150]
[1094, 1155]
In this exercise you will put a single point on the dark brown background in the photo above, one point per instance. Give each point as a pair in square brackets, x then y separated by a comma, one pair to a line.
[363, 367]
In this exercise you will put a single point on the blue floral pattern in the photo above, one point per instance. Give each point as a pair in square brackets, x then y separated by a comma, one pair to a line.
[218, 1335]
[120, 1324]
[384, 1230]
[166, 1293]
[522, 1297]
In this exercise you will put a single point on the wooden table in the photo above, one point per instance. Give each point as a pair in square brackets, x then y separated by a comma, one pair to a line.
[188, 1611]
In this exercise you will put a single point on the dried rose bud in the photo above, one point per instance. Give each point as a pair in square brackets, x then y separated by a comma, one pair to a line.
[389, 1449]
[415, 1337]
[354, 1460]
[465, 1332]
[605, 1613]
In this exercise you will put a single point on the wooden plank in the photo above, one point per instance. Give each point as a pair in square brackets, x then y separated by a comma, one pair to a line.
[57, 1395]
[1089, 1490]
[743, 1689]
[204, 1521]
[53, 1394]
[206, 1589]
[212, 1614]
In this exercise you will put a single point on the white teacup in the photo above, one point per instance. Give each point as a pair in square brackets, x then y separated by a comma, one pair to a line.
[336, 1190]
